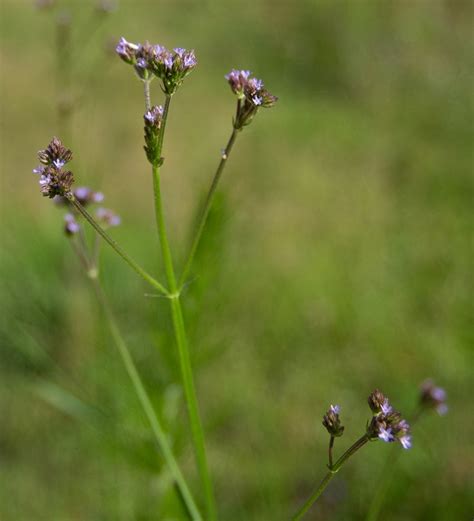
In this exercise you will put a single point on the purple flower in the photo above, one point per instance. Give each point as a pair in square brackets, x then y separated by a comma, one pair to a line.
[126, 50]
[386, 434]
[53, 179]
[332, 421]
[72, 226]
[386, 408]
[405, 441]
[189, 60]
[179, 51]
[257, 100]
[433, 397]
[107, 217]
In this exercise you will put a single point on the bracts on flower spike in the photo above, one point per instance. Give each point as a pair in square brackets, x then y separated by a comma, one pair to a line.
[153, 119]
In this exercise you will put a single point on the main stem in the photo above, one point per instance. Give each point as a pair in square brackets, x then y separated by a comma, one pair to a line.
[207, 207]
[328, 477]
[181, 339]
[148, 407]
[138, 269]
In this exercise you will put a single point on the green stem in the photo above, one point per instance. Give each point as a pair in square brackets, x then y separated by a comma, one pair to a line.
[138, 269]
[328, 477]
[145, 402]
[207, 207]
[183, 351]
[331, 445]
[146, 93]
[180, 334]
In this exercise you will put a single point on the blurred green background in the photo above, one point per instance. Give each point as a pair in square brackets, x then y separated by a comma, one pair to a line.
[337, 259]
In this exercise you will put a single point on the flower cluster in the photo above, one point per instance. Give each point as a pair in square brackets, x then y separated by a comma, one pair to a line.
[54, 180]
[332, 422]
[153, 119]
[251, 96]
[433, 397]
[170, 66]
[107, 217]
[387, 424]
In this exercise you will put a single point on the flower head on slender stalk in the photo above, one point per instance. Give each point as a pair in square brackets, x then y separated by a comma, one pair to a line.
[251, 96]
[387, 424]
[433, 397]
[171, 67]
[54, 180]
[332, 421]
[107, 218]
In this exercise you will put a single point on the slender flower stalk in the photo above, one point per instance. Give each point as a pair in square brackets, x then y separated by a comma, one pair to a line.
[147, 406]
[328, 477]
[207, 207]
[138, 269]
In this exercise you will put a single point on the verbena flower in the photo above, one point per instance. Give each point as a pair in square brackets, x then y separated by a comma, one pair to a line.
[387, 424]
[251, 95]
[54, 180]
[433, 397]
[171, 67]
[71, 226]
[107, 217]
[332, 421]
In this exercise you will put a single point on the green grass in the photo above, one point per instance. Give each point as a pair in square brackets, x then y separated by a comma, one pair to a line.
[338, 259]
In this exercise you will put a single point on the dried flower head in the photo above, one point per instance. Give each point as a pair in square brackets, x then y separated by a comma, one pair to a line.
[332, 422]
[170, 66]
[387, 424]
[107, 217]
[251, 96]
[55, 154]
[433, 397]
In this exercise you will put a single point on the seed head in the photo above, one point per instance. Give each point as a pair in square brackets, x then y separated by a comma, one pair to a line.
[376, 401]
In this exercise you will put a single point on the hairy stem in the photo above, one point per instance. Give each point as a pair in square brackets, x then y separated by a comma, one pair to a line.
[207, 207]
[138, 269]
[147, 406]
[146, 93]
[328, 477]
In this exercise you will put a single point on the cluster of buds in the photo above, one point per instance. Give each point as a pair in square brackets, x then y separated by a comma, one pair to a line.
[332, 421]
[153, 119]
[251, 96]
[387, 424]
[433, 397]
[54, 180]
[170, 66]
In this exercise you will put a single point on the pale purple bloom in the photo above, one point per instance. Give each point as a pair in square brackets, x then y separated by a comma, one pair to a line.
[335, 409]
[168, 61]
[38, 170]
[179, 51]
[189, 59]
[141, 63]
[433, 397]
[71, 226]
[386, 434]
[405, 441]
[59, 163]
[386, 408]
[107, 217]
[257, 100]
[97, 197]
